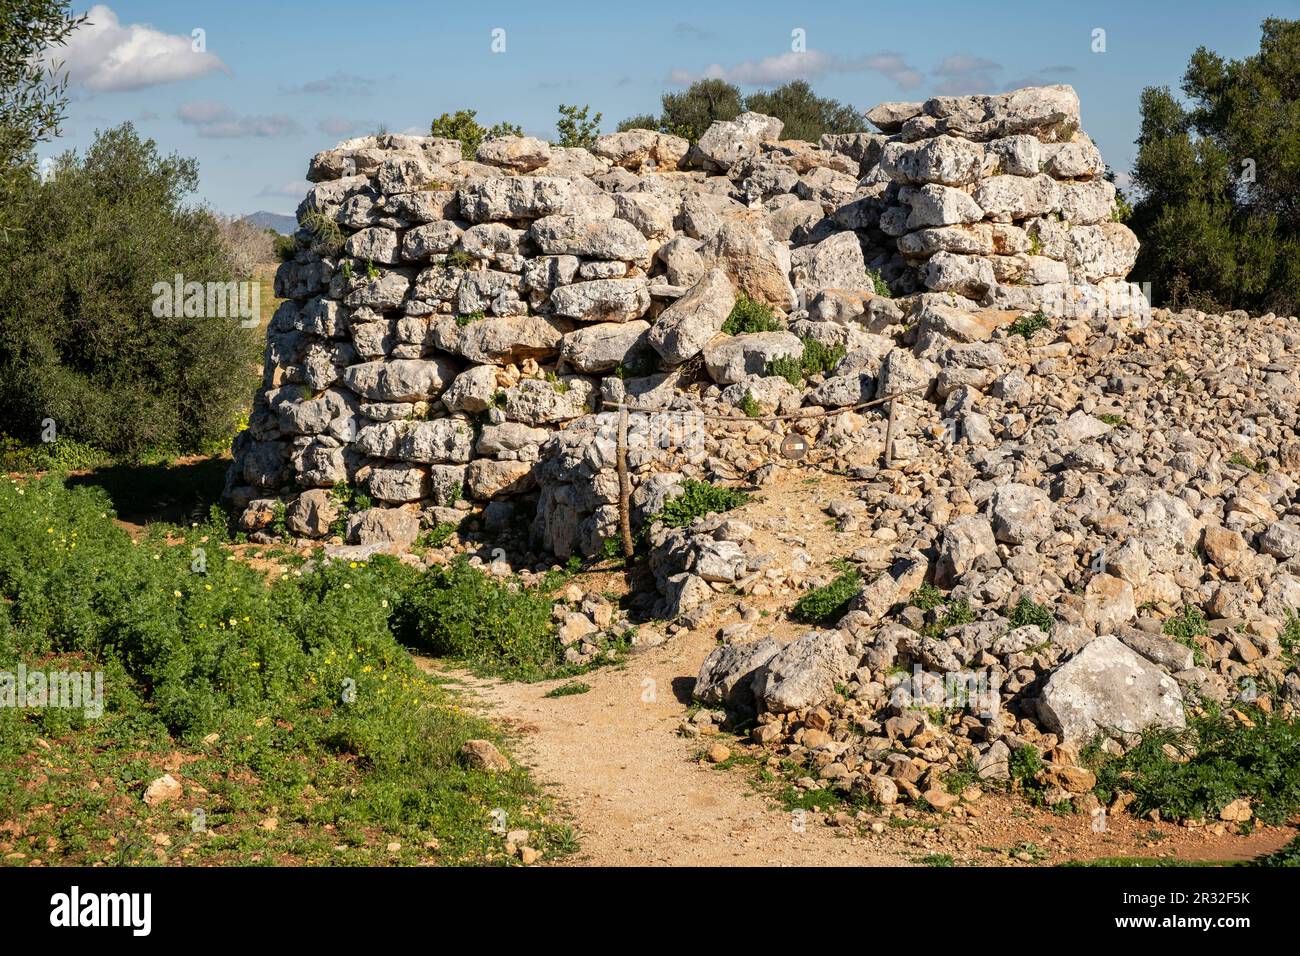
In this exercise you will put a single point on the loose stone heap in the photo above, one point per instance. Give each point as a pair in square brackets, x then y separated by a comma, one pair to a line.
[446, 318]
[1135, 479]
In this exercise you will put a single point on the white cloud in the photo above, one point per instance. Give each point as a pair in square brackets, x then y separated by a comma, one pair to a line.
[104, 55]
[215, 120]
[290, 190]
[808, 65]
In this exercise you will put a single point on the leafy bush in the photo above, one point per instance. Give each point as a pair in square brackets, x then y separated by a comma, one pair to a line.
[697, 499]
[575, 129]
[783, 366]
[79, 342]
[1024, 763]
[1027, 325]
[749, 405]
[805, 115]
[463, 126]
[1194, 774]
[750, 316]
[1217, 217]
[1026, 611]
[819, 359]
[461, 612]
[827, 604]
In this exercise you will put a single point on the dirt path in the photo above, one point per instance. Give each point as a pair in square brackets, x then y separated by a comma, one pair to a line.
[630, 784]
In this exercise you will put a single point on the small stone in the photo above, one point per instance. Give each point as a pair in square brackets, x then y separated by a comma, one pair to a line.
[483, 755]
[162, 790]
[718, 753]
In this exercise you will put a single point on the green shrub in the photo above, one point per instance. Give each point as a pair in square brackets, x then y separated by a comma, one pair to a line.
[1027, 325]
[462, 126]
[1193, 774]
[1185, 627]
[1024, 763]
[750, 316]
[749, 405]
[574, 129]
[697, 499]
[926, 597]
[878, 284]
[500, 626]
[783, 366]
[803, 113]
[79, 341]
[819, 359]
[1026, 611]
[825, 605]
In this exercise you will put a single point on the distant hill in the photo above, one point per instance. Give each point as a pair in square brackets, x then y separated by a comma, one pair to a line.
[273, 220]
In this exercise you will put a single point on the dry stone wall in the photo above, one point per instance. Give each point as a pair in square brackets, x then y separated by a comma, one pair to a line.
[453, 327]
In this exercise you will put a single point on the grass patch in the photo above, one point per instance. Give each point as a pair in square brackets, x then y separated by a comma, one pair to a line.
[568, 689]
[288, 708]
[1185, 627]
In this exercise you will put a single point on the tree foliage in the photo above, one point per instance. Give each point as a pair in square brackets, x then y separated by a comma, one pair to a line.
[463, 126]
[33, 90]
[805, 114]
[1219, 175]
[79, 341]
[575, 129]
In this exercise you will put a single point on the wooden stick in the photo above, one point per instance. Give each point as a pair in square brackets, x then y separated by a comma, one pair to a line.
[624, 485]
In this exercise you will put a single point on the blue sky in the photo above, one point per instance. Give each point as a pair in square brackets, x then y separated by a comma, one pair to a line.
[272, 83]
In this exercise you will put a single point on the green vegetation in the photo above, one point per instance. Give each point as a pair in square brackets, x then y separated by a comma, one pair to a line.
[786, 367]
[290, 702]
[575, 129]
[805, 114]
[827, 604]
[926, 597]
[1025, 762]
[1237, 458]
[88, 341]
[1186, 627]
[463, 126]
[750, 316]
[697, 499]
[1219, 176]
[33, 97]
[1026, 611]
[749, 405]
[937, 860]
[817, 359]
[326, 234]
[1114, 421]
[1193, 774]
[1027, 325]
[568, 689]
[878, 283]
